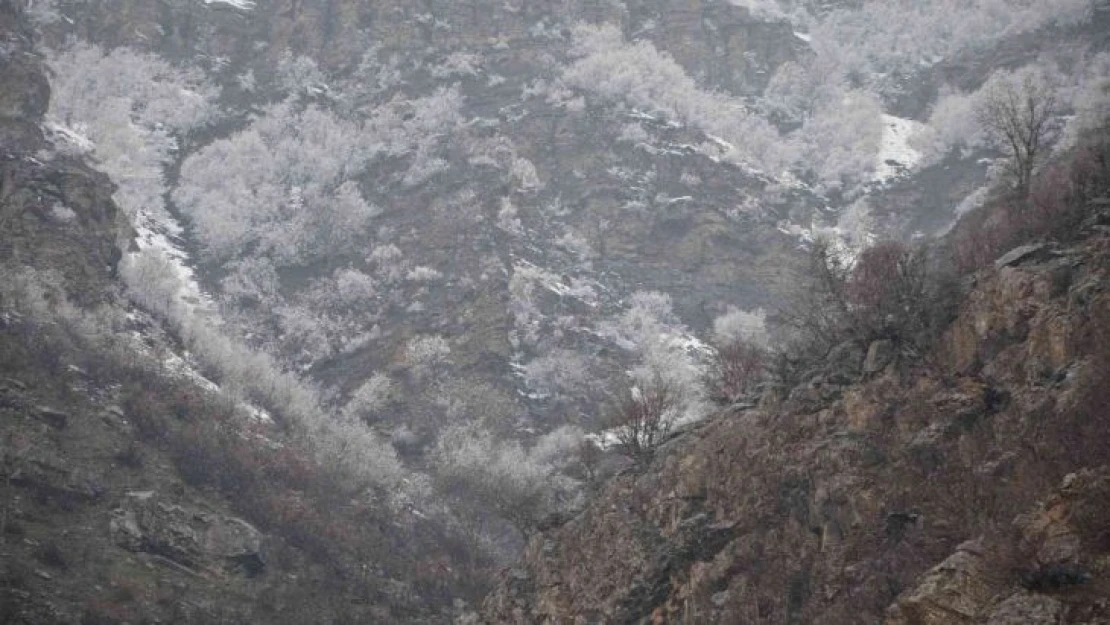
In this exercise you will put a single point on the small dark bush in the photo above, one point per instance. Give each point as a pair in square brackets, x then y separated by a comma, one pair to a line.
[736, 371]
[643, 417]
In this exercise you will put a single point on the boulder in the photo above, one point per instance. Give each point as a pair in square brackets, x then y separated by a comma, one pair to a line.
[192, 538]
[951, 593]
[1027, 608]
[51, 416]
[879, 355]
[1021, 254]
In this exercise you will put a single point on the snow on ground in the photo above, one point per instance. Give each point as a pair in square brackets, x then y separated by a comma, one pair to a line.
[806, 37]
[161, 233]
[895, 154]
[242, 5]
[68, 140]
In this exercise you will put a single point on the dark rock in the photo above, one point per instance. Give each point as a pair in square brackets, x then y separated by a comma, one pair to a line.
[846, 358]
[1022, 254]
[52, 417]
[1054, 578]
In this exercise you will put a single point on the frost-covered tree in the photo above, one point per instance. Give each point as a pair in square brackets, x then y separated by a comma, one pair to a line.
[373, 395]
[280, 188]
[741, 325]
[133, 107]
[844, 137]
[1090, 100]
[637, 73]
[521, 485]
[952, 126]
[560, 374]
[667, 356]
[427, 354]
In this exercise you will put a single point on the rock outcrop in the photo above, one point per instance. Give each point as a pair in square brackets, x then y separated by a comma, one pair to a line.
[55, 211]
[1051, 569]
[898, 490]
[193, 538]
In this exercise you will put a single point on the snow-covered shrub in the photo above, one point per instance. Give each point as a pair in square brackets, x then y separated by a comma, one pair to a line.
[560, 373]
[298, 74]
[519, 486]
[740, 325]
[131, 107]
[952, 125]
[637, 73]
[279, 187]
[153, 283]
[457, 64]
[374, 394]
[844, 137]
[761, 9]
[389, 262]
[427, 354]
[1090, 100]
[423, 274]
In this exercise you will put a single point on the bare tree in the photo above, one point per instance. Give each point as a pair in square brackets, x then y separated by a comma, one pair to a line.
[644, 417]
[1016, 110]
[735, 371]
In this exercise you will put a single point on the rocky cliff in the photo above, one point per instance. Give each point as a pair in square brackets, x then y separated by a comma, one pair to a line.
[55, 211]
[833, 505]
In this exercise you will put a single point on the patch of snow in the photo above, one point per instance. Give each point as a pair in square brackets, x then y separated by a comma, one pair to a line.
[973, 201]
[895, 154]
[721, 143]
[242, 5]
[73, 139]
[806, 37]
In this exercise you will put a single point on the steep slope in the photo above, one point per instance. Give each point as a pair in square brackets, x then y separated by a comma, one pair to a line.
[829, 506]
[132, 489]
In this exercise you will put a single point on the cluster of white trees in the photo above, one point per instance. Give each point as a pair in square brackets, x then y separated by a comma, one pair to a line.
[339, 440]
[133, 107]
[283, 188]
[611, 68]
[880, 40]
[863, 53]
[521, 484]
[285, 193]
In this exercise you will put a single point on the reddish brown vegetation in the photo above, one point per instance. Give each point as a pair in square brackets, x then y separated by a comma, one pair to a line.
[736, 371]
[1060, 198]
[644, 416]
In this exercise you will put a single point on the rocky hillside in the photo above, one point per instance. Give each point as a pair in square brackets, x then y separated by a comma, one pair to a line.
[318, 310]
[134, 489]
[964, 487]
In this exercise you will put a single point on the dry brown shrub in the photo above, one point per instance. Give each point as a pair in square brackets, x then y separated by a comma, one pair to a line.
[736, 371]
[643, 417]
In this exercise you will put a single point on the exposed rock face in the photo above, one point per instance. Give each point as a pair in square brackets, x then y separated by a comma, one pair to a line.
[190, 537]
[26, 92]
[54, 211]
[831, 507]
[1061, 550]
